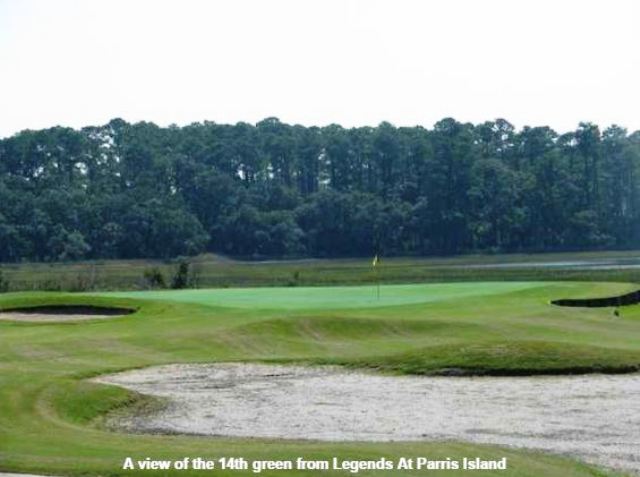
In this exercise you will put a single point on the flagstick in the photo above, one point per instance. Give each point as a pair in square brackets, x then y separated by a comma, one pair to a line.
[377, 277]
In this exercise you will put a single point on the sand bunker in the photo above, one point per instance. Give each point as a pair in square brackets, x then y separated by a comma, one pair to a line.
[593, 417]
[58, 313]
[19, 475]
[632, 298]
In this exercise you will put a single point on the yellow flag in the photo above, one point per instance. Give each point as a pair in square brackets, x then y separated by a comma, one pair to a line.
[375, 261]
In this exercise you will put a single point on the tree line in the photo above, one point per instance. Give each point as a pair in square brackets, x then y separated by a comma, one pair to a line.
[272, 189]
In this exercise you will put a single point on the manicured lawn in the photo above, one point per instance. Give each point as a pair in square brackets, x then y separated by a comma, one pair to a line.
[50, 417]
[321, 298]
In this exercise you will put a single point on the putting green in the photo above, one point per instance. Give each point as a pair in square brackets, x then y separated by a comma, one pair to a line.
[346, 297]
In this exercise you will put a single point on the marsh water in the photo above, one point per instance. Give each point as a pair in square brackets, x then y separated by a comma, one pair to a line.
[588, 264]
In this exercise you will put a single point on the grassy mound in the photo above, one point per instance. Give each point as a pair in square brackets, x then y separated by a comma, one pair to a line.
[347, 328]
[506, 358]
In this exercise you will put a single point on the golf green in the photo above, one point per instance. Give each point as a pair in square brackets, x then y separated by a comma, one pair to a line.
[331, 297]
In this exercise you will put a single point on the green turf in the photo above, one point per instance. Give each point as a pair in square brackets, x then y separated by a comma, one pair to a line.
[320, 298]
[50, 416]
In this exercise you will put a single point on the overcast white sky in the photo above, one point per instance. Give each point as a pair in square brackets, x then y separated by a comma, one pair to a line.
[315, 62]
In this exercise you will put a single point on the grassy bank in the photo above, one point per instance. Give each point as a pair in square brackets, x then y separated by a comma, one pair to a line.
[211, 271]
[50, 417]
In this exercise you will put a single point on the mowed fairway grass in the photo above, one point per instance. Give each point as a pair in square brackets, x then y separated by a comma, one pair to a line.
[51, 417]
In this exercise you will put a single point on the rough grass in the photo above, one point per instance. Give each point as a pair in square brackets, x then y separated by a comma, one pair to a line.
[505, 358]
[50, 416]
[220, 272]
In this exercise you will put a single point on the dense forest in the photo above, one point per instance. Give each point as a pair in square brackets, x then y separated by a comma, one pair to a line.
[276, 190]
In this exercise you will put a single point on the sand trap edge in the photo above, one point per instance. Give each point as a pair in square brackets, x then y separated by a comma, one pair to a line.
[62, 313]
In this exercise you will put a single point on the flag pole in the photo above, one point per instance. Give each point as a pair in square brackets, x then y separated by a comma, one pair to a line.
[377, 276]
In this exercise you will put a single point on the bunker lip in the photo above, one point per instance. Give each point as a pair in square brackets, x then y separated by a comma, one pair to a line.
[584, 417]
[527, 372]
[631, 298]
[60, 313]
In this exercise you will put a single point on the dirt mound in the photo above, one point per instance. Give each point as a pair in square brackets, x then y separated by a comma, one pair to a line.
[57, 313]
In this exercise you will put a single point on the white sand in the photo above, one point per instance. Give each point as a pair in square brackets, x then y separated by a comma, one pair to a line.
[595, 417]
[51, 318]
[19, 475]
